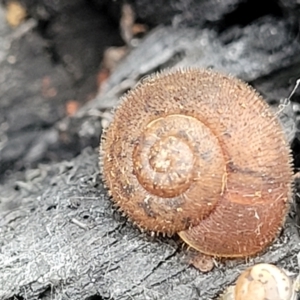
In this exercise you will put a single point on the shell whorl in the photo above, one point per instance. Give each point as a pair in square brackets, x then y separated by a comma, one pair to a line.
[199, 153]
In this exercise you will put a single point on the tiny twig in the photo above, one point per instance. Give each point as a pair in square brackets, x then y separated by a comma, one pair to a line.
[287, 100]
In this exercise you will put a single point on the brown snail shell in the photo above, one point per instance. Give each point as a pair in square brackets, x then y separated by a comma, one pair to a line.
[199, 153]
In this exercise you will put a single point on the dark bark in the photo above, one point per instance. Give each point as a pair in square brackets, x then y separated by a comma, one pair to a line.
[62, 238]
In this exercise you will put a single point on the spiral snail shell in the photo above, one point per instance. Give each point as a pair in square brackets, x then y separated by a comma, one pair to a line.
[199, 153]
[261, 282]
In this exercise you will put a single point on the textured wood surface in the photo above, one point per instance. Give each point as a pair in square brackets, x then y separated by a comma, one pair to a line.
[62, 239]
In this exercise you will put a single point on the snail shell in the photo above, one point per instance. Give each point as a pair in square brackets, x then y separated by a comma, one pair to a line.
[263, 282]
[199, 153]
